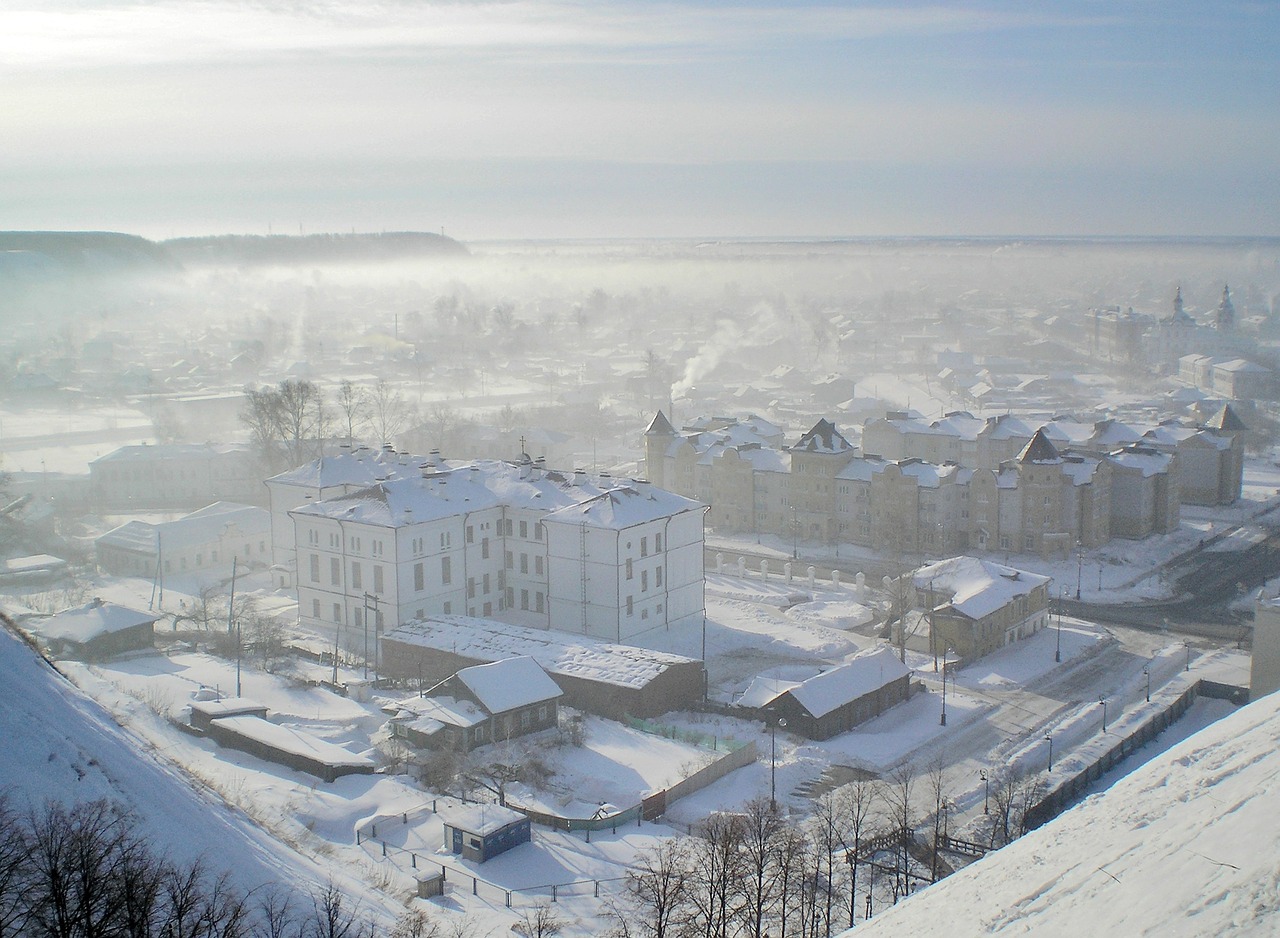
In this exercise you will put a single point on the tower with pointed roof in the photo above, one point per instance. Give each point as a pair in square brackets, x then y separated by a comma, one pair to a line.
[1225, 316]
[658, 437]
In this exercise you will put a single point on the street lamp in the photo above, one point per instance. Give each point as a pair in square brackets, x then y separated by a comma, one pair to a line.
[774, 726]
[1079, 567]
[1049, 739]
[795, 534]
[1188, 647]
[1103, 701]
[947, 660]
[986, 790]
[1147, 672]
[1062, 597]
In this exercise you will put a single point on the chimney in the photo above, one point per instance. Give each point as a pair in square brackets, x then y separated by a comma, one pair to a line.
[579, 477]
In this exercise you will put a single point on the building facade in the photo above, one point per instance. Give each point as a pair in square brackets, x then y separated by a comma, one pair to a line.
[595, 556]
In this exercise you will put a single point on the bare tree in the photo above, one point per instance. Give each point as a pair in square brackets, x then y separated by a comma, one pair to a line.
[854, 805]
[657, 885]
[334, 918]
[937, 785]
[493, 776]
[898, 792]
[714, 860]
[351, 408]
[389, 414]
[826, 841]
[284, 421]
[761, 830]
[538, 922]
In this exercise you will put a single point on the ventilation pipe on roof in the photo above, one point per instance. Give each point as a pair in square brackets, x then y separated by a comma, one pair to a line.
[579, 477]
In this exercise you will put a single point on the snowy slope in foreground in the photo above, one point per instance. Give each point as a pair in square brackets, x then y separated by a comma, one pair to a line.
[1186, 845]
[56, 744]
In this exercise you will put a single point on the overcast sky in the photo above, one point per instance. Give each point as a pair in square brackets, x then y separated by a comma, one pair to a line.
[580, 119]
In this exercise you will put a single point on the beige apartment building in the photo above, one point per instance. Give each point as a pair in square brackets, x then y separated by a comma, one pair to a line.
[1044, 499]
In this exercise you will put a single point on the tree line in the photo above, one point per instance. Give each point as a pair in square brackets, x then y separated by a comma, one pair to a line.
[755, 873]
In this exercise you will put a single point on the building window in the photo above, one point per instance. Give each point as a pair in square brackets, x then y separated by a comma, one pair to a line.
[538, 602]
[657, 576]
[315, 609]
[524, 600]
[524, 563]
[448, 608]
[378, 584]
[630, 606]
[484, 548]
[644, 581]
[355, 575]
[537, 565]
[446, 570]
[419, 580]
[542, 714]
[471, 534]
[511, 596]
[508, 560]
[337, 612]
[315, 568]
[471, 587]
[335, 571]
[657, 542]
[488, 609]
[526, 719]
[644, 547]
[630, 571]
[524, 529]
[486, 586]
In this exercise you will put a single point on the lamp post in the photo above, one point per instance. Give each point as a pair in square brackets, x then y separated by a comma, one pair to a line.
[1079, 567]
[1103, 701]
[1057, 655]
[943, 720]
[946, 663]
[986, 791]
[774, 726]
[1049, 739]
[1187, 645]
[795, 534]
[1147, 672]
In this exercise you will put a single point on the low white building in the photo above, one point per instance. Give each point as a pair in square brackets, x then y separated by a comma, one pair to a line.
[204, 540]
[174, 475]
[596, 556]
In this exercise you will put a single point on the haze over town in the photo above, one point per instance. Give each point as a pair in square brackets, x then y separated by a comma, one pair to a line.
[674, 469]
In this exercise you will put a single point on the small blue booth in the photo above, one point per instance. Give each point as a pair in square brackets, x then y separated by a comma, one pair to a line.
[482, 831]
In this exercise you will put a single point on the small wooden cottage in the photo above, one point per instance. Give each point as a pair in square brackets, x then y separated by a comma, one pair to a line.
[98, 631]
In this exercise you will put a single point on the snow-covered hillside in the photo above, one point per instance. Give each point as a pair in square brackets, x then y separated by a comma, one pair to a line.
[1184, 846]
[58, 745]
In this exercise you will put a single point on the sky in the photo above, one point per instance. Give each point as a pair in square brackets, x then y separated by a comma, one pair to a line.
[577, 119]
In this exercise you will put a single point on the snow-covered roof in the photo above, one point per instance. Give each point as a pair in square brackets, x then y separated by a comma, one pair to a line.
[148, 452]
[199, 527]
[294, 741]
[822, 437]
[1147, 461]
[227, 707]
[559, 653]
[87, 622]
[513, 682]
[763, 690]
[482, 819]
[433, 493]
[359, 466]
[624, 507]
[438, 710]
[977, 587]
[859, 676]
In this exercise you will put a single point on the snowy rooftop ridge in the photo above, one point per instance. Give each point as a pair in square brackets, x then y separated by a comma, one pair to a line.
[860, 675]
[556, 652]
[977, 587]
[504, 685]
[87, 622]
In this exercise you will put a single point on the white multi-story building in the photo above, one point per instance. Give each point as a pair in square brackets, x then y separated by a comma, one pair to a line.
[597, 556]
